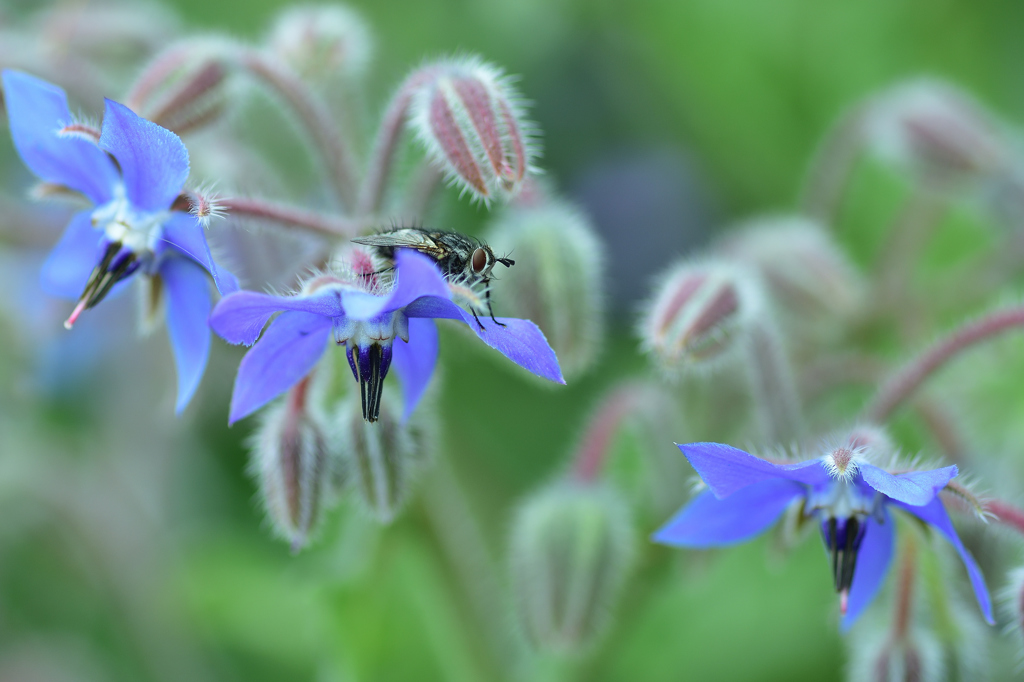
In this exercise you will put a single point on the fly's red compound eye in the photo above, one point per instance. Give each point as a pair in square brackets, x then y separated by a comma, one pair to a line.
[479, 260]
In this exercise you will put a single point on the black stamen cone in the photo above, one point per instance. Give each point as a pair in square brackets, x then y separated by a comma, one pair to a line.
[842, 538]
[115, 265]
[369, 367]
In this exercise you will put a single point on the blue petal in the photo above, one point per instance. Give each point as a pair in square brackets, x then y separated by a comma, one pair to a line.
[417, 276]
[414, 362]
[240, 316]
[873, 561]
[153, 160]
[917, 488]
[188, 306]
[709, 521]
[935, 514]
[72, 260]
[185, 233]
[726, 469]
[37, 111]
[521, 341]
[287, 352]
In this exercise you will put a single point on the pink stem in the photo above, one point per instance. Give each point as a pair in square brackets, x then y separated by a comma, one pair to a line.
[905, 592]
[290, 216]
[593, 452]
[907, 380]
[1006, 514]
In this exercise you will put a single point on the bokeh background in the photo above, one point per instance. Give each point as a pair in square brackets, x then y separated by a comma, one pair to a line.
[132, 545]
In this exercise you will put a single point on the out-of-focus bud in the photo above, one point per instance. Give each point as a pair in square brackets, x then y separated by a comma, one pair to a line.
[801, 265]
[557, 281]
[571, 551]
[123, 31]
[383, 457]
[471, 120]
[317, 41]
[186, 87]
[291, 464]
[1012, 599]
[874, 657]
[936, 130]
[698, 311]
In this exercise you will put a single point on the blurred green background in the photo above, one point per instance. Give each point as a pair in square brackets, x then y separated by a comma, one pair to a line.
[133, 548]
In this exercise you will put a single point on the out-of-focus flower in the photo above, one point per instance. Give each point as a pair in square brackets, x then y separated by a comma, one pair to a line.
[935, 129]
[697, 313]
[132, 171]
[471, 120]
[368, 323]
[571, 551]
[558, 280]
[850, 497]
[319, 40]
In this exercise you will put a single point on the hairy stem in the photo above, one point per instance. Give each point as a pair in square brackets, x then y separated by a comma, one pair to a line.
[421, 190]
[903, 607]
[383, 155]
[832, 167]
[908, 379]
[1006, 514]
[327, 140]
[772, 384]
[597, 440]
[291, 217]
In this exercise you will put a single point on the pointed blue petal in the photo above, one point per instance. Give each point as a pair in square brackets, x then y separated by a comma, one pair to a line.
[709, 521]
[916, 488]
[67, 268]
[288, 351]
[188, 306]
[186, 234]
[37, 111]
[240, 316]
[726, 469]
[521, 341]
[153, 160]
[873, 561]
[414, 362]
[417, 276]
[935, 514]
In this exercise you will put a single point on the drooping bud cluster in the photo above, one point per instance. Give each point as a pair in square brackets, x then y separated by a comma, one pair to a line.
[571, 551]
[801, 265]
[471, 120]
[317, 41]
[936, 130]
[697, 313]
[290, 461]
[558, 280]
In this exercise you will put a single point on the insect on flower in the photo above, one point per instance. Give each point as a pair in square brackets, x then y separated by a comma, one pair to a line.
[462, 260]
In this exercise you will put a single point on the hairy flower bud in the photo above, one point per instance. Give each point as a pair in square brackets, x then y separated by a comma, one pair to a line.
[471, 120]
[291, 465]
[936, 130]
[317, 41]
[800, 264]
[557, 281]
[571, 550]
[697, 313]
[383, 455]
[876, 658]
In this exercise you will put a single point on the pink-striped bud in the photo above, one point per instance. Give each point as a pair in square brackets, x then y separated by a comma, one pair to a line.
[936, 130]
[697, 313]
[318, 41]
[471, 121]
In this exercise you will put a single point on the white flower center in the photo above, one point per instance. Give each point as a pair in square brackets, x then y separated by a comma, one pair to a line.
[133, 229]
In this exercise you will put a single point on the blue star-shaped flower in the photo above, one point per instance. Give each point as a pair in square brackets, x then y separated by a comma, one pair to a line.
[850, 498]
[132, 174]
[377, 331]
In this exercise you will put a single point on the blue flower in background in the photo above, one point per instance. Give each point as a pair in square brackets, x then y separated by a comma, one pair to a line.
[852, 500]
[132, 173]
[378, 330]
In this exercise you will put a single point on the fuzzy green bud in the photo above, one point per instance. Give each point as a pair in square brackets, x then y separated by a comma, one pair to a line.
[571, 551]
[317, 41]
[558, 278]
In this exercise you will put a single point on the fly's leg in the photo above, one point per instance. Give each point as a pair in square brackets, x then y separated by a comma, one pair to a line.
[487, 297]
[473, 310]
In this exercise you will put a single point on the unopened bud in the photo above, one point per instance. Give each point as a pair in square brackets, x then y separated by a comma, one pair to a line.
[472, 122]
[291, 464]
[698, 311]
[317, 41]
[571, 551]
[383, 456]
[118, 31]
[557, 281]
[193, 92]
[800, 264]
[1012, 598]
[936, 130]
[880, 659]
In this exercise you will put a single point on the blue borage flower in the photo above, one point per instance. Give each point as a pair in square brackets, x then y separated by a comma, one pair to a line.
[132, 173]
[377, 329]
[851, 498]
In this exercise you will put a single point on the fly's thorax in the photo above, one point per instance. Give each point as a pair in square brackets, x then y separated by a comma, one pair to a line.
[137, 231]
